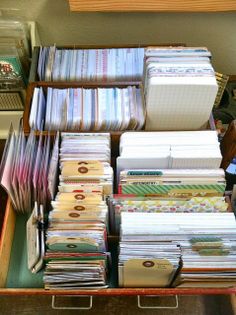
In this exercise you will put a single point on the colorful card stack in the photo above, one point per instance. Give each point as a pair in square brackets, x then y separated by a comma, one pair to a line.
[77, 254]
[173, 218]
[170, 164]
[173, 183]
[100, 65]
[180, 87]
[84, 109]
[151, 204]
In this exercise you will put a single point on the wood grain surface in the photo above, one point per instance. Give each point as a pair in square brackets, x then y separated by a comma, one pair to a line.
[191, 305]
[6, 242]
[152, 5]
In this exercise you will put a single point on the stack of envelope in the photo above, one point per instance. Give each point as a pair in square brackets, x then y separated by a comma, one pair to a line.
[206, 241]
[180, 87]
[76, 242]
[28, 169]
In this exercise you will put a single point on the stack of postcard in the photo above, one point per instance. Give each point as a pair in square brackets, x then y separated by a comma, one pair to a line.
[77, 234]
[180, 87]
[87, 109]
[100, 65]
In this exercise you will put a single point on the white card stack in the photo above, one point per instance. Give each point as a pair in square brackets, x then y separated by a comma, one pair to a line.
[180, 88]
[175, 150]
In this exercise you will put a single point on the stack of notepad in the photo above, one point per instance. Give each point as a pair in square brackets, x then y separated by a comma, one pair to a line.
[207, 242]
[182, 149]
[101, 65]
[77, 233]
[87, 109]
[180, 88]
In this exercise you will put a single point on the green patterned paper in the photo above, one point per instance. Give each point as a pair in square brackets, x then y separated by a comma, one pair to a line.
[173, 190]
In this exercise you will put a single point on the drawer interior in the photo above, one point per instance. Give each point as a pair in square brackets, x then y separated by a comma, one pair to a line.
[19, 276]
[15, 278]
[13, 255]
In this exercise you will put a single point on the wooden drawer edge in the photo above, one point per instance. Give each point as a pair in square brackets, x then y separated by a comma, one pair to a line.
[123, 291]
[6, 242]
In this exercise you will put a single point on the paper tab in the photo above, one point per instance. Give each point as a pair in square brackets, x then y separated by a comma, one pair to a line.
[148, 273]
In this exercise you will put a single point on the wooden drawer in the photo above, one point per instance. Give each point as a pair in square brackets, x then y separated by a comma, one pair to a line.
[16, 279]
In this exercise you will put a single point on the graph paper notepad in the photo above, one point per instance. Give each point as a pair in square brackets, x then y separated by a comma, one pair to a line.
[179, 95]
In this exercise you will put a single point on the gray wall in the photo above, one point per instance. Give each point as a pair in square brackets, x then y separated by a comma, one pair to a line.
[56, 24]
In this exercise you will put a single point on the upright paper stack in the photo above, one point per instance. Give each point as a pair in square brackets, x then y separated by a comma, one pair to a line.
[173, 218]
[99, 65]
[177, 203]
[77, 254]
[84, 109]
[180, 88]
[144, 260]
[207, 242]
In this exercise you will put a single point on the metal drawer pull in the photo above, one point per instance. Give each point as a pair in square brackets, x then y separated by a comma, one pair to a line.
[73, 307]
[157, 307]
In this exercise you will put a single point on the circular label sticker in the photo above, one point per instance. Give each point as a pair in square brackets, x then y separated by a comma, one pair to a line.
[83, 170]
[79, 208]
[74, 215]
[79, 197]
[148, 263]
